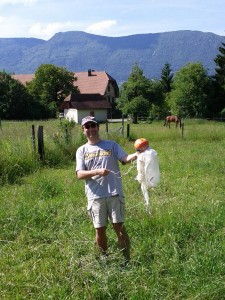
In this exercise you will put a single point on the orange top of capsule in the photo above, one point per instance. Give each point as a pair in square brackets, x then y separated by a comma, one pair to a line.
[141, 144]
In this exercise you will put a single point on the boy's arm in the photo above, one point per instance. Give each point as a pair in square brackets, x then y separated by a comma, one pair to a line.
[129, 158]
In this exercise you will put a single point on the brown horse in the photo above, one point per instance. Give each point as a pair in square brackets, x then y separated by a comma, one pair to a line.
[174, 119]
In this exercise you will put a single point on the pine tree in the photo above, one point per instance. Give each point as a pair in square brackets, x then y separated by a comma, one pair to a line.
[219, 81]
[166, 78]
[220, 67]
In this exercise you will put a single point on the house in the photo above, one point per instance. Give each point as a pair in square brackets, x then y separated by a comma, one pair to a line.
[102, 104]
[78, 106]
[97, 83]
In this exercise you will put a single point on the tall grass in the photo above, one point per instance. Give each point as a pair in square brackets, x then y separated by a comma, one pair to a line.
[19, 154]
[47, 241]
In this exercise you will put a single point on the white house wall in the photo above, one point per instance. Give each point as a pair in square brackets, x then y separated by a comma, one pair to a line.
[77, 116]
[110, 93]
[71, 114]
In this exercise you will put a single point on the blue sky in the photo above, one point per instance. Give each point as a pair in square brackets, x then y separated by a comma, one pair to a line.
[43, 18]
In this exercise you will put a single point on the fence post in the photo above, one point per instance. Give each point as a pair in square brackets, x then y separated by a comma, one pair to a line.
[122, 131]
[40, 142]
[106, 126]
[128, 130]
[33, 138]
[182, 130]
[67, 137]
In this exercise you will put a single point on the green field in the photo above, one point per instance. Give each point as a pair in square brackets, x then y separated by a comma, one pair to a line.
[47, 240]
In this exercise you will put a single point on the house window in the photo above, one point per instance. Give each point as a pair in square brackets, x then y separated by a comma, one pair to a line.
[108, 88]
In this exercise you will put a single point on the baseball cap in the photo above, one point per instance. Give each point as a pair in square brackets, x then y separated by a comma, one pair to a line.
[88, 119]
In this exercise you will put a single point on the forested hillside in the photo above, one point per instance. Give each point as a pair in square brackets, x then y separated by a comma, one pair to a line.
[79, 51]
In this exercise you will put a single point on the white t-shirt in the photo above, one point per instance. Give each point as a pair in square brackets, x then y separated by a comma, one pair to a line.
[104, 154]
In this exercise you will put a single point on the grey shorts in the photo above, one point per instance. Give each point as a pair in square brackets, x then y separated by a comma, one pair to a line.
[103, 209]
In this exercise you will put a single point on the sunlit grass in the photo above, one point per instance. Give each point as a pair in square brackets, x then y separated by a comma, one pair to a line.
[47, 243]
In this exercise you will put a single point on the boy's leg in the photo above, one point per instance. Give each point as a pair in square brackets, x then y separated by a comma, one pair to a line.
[98, 214]
[123, 239]
[101, 239]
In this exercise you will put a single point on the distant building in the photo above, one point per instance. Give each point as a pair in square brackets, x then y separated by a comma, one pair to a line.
[98, 93]
[77, 106]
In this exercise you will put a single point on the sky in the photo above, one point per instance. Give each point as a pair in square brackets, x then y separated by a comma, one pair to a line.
[43, 18]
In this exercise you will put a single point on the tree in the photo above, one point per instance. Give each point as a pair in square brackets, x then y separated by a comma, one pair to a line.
[138, 105]
[15, 102]
[51, 86]
[137, 83]
[132, 91]
[156, 99]
[166, 78]
[139, 89]
[220, 67]
[189, 91]
[217, 103]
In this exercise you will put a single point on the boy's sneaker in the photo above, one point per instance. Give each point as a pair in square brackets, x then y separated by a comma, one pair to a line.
[125, 263]
[103, 258]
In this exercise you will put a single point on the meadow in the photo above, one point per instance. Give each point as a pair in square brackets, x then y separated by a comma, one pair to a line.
[47, 245]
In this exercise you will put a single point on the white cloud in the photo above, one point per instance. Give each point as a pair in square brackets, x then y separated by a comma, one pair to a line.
[100, 27]
[42, 19]
[46, 31]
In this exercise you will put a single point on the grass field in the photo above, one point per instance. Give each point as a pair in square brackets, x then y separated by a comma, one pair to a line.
[47, 246]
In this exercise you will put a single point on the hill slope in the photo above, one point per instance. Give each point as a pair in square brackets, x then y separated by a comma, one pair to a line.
[79, 51]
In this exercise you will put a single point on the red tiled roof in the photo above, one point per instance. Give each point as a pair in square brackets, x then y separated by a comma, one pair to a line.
[92, 82]
[89, 82]
[23, 78]
[85, 101]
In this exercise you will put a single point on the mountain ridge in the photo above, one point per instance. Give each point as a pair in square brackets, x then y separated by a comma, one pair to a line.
[79, 51]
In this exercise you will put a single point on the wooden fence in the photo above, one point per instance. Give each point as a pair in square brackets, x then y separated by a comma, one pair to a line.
[40, 140]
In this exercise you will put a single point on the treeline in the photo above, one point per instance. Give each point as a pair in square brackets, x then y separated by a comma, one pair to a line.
[190, 92]
[38, 99]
